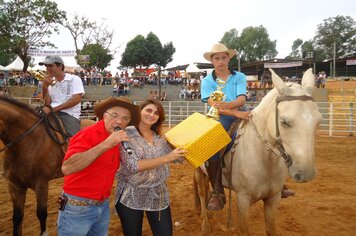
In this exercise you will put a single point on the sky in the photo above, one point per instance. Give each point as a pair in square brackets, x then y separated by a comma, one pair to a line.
[194, 26]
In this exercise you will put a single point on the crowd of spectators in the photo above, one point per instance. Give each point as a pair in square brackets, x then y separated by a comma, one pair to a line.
[18, 79]
[190, 87]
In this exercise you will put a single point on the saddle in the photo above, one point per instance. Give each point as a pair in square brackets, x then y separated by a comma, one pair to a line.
[54, 127]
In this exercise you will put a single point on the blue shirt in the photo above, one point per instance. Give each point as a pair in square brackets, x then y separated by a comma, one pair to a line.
[235, 86]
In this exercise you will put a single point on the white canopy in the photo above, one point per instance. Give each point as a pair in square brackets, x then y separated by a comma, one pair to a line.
[16, 65]
[3, 68]
[192, 68]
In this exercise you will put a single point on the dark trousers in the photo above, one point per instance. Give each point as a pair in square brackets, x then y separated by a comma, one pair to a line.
[71, 124]
[131, 221]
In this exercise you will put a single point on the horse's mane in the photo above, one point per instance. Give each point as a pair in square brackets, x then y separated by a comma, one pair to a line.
[268, 102]
[18, 104]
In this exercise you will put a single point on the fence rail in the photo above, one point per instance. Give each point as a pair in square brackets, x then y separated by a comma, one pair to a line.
[339, 118]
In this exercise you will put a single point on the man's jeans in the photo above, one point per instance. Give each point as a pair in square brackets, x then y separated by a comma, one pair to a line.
[71, 124]
[226, 122]
[84, 220]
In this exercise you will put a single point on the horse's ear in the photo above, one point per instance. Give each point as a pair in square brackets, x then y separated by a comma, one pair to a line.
[278, 83]
[308, 82]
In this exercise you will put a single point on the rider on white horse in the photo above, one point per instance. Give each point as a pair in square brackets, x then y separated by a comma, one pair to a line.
[235, 97]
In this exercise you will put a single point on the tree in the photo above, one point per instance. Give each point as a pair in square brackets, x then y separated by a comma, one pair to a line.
[147, 51]
[167, 54]
[253, 44]
[339, 30]
[256, 45]
[26, 23]
[99, 57]
[135, 52]
[296, 49]
[153, 49]
[77, 28]
[231, 40]
[81, 28]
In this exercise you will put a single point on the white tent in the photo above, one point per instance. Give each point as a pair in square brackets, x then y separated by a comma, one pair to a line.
[3, 68]
[16, 65]
[192, 68]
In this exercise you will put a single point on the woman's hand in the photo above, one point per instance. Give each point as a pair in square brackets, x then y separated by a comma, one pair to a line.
[176, 154]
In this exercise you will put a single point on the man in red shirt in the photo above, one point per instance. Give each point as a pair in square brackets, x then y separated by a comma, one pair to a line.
[89, 167]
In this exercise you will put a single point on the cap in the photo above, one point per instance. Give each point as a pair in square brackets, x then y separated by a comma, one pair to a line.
[49, 60]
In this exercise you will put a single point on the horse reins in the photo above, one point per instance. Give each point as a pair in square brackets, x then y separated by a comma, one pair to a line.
[48, 126]
[18, 139]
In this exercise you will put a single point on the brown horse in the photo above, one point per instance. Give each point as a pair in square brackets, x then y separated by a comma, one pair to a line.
[33, 156]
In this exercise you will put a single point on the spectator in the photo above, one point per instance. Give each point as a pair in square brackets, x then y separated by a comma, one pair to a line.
[182, 93]
[126, 88]
[163, 96]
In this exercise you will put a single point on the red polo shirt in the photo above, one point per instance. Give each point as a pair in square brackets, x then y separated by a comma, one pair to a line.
[96, 180]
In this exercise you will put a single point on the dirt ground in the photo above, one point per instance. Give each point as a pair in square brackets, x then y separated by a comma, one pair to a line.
[325, 206]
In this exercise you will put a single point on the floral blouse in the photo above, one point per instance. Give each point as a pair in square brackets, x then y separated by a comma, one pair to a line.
[144, 190]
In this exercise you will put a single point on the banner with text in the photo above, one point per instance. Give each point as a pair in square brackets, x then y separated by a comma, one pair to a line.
[284, 64]
[350, 62]
[43, 53]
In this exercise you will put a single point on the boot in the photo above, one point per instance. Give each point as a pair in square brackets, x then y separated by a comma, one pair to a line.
[217, 199]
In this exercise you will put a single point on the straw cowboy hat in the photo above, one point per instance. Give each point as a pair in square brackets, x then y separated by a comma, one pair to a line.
[219, 48]
[101, 107]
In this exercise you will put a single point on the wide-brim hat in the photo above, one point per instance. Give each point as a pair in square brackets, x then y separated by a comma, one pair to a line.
[101, 107]
[219, 48]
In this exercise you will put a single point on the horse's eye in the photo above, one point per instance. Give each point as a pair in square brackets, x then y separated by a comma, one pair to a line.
[284, 122]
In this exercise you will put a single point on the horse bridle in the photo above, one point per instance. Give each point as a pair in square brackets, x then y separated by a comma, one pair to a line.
[49, 127]
[18, 139]
[278, 148]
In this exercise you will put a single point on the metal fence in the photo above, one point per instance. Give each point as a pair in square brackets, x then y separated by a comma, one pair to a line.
[338, 117]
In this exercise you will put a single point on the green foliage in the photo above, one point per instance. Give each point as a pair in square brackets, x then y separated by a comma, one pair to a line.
[26, 23]
[142, 51]
[99, 57]
[135, 52]
[167, 54]
[5, 55]
[231, 40]
[256, 45]
[153, 49]
[253, 44]
[339, 30]
[296, 49]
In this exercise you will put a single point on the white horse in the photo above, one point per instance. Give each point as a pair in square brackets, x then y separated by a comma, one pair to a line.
[280, 136]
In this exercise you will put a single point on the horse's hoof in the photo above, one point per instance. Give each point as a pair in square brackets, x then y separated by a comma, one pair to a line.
[216, 202]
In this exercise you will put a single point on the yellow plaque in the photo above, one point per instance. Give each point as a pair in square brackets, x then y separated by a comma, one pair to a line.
[200, 135]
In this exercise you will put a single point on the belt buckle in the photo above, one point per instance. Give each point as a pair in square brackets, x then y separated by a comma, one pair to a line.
[95, 202]
[77, 202]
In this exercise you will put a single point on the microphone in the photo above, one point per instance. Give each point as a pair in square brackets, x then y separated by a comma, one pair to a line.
[124, 144]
